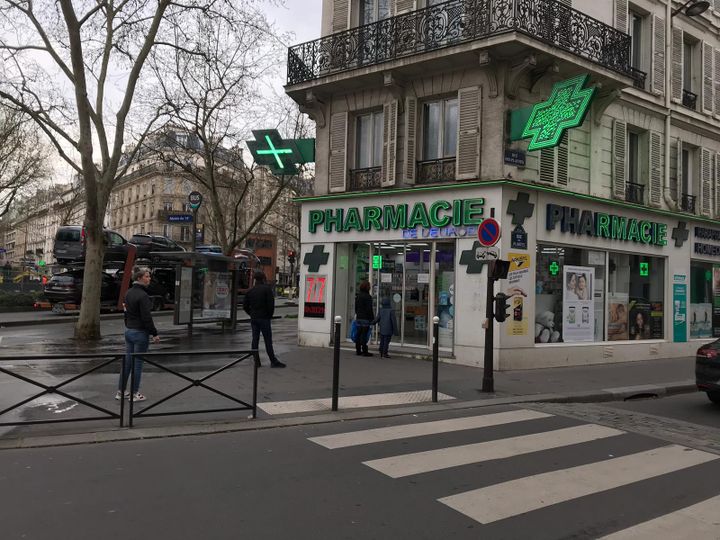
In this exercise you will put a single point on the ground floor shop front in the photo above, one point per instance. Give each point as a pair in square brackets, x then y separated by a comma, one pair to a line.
[590, 280]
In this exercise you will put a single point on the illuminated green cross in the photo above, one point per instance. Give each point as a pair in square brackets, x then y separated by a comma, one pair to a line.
[566, 108]
[554, 268]
[274, 151]
[644, 269]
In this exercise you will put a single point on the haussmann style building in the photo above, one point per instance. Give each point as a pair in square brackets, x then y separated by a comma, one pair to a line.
[433, 117]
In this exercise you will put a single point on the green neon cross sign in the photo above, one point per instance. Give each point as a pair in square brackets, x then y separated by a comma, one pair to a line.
[554, 268]
[566, 108]
[274, 152]
[644, 269]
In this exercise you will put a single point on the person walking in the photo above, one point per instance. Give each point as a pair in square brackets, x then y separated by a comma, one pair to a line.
[387, 326]
[139, 326]
[260, 305]
[363, 318]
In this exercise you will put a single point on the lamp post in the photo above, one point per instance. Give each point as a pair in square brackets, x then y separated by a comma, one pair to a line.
[692, 8]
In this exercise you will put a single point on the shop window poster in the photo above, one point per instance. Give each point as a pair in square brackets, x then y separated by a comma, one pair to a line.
[217, 299]
[617, 316]
[640, 319]
[519, 282]
[578, 310]
[701, 320]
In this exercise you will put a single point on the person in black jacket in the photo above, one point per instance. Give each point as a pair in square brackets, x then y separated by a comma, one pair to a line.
[139, 326]
[364, 315]
[260, 305]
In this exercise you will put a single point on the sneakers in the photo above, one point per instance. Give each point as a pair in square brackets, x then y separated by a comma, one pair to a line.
[137, 396]
[277, 364]
[118, 395]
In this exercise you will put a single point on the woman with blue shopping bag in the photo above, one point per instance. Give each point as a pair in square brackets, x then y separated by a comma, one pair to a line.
[364, 315]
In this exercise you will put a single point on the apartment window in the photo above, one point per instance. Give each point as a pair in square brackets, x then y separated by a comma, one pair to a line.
[152, 188]
[167, 206]
[374, 10]
[687, 187]
[184, 234]
[440, 129]
[166, 231]
[167, 186]
[635, 29]
[142, 229]
[687, 66]
[187, 207]
[369, 140]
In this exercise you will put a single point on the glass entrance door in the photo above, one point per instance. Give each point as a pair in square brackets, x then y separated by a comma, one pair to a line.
[417, 294]
[444, 294]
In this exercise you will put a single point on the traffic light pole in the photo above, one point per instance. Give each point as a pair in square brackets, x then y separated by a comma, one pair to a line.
[488, 383]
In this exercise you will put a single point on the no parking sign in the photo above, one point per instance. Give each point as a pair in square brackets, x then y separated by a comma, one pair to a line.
[488, 232]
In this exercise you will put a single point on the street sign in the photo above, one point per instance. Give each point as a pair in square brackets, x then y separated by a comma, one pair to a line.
[195, 199]
[488, 232]
[486, 254]
[180, 218]
[518, 238]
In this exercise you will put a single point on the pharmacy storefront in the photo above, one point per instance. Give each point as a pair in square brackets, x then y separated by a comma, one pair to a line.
[589, 281]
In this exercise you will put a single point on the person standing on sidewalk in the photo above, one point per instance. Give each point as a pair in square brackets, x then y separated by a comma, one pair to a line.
[139, 326]
[387, 326]
[363, 318]
[260, 305]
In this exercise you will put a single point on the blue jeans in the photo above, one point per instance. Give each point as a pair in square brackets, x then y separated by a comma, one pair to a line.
[263, 326]
[136, 341]
[384, 343]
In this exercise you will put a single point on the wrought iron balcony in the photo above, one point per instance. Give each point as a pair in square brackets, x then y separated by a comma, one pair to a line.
[436, 170]
[689, 99]
[461, 21]
[687, 203]
[364, 179]
[634, 192]
[639, 78]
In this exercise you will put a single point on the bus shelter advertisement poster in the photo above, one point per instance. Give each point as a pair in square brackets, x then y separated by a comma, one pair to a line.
[578, 311]
[216, 295]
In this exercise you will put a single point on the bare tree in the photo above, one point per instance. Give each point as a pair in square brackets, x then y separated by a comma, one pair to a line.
[211, 90]
[23, 158]
[73, 66]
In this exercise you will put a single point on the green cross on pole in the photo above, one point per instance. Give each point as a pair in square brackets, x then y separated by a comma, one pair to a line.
[280, 155]
[274, 151]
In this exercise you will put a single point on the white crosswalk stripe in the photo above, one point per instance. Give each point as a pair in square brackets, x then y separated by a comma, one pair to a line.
[520, 496]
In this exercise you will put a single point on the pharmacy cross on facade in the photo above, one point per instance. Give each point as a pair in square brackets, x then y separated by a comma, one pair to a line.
[316, 258]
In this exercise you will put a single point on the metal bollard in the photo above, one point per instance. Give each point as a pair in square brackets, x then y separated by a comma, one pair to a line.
[336, 363]
[435, 360]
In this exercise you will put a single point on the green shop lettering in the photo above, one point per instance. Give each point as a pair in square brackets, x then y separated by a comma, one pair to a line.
[602, 225]
[458, 213]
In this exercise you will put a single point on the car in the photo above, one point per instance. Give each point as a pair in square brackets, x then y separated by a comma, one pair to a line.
[707, 370]
[161, 288]
[147, 243]
[66, 287]
[70, 245]
[206, 248]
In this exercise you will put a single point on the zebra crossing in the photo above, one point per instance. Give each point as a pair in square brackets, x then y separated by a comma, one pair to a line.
[524, 496]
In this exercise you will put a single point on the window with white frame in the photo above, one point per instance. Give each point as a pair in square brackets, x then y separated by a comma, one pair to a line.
[369, 140]
[374, 10]
[440, 120]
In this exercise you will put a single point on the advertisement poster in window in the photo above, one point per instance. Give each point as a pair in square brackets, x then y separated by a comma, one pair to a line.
[578, 311]
[640, 326]
[216, 295]
[518, 284]
[617, 316]
[701, 320]
[716, 300]
[679, 312]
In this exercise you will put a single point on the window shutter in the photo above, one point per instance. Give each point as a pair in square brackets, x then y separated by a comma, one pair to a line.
[554, 163]
[619, 145]
[677, 64]
[562, 161]
[678, 170]
[716, 61]
[658, 56]
[338, 151]
[717, 185]
[621, 15]
[409, 159]
[547, 165]
[403, 6]
[389, 159]
[341, 15]
[655, 168]
[468, 152]
[705, 182]
[708, 79]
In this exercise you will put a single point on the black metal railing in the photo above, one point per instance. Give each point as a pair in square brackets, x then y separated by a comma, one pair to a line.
[638, 77]
[689, 99]
[634, 192]
[435, 170]
[460, 21]
[102, 403]
[687, 203]
[364, 179]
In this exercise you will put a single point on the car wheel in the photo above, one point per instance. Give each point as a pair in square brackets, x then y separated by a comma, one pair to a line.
[714, 397]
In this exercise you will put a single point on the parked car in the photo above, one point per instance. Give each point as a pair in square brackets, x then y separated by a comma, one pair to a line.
[206, 248]
[70, 245]
[66, 287]
[707, 370]
[147, 243]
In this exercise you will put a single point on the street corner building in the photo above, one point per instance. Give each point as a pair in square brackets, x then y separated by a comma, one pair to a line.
[589, 130]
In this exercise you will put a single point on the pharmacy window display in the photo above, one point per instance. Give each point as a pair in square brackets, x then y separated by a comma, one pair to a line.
[704, 314]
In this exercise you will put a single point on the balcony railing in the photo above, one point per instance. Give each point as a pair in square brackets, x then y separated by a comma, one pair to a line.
[687, 203]
[689, 99]
[461, 21]
[436, 170]
[364, 179]
[638, 78]
[634, 193]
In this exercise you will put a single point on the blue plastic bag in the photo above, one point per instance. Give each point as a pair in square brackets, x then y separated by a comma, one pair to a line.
[354, 327]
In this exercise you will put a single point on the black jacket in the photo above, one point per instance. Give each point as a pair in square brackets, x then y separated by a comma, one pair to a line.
[137, 310]
[259, 302]
[364, 306]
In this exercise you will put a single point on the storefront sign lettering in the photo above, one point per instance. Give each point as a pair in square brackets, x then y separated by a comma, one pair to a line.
[441, 232]
[601, 225]
[701, 248]
[458, 213]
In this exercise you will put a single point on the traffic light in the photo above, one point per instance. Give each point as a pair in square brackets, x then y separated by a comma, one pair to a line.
[498, 269]
[501, 307]
[291, 256]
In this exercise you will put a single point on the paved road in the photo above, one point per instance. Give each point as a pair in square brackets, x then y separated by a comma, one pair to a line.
[695, 408]
[497, 473]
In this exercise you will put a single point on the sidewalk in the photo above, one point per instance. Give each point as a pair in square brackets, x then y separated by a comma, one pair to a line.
[309, 377]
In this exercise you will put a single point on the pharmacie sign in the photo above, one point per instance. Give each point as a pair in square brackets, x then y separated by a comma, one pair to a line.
[602, 225]
[439, 218]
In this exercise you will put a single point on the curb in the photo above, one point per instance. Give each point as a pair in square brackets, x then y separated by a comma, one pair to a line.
[136, 433]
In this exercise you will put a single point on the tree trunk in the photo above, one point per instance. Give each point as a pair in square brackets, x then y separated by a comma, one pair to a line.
[88, 325]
